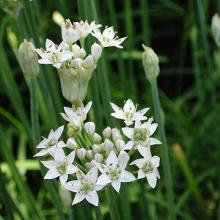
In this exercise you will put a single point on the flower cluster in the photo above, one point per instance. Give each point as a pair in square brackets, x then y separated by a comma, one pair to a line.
[75, 65]
[88, 162]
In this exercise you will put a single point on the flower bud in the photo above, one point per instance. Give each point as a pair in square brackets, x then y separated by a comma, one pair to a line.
[150, 63]
[89, 63]
[96, 148]
[107, 132]
[28, 59]
[98, 158]
[116, 134]
[78, 52]
[90, 128]
[69, 35]
[119, 144]
[71, 144]
[108, 145]
[81, 153]
[215, 27]
[89, 154]
[96, 51]
[97, 138]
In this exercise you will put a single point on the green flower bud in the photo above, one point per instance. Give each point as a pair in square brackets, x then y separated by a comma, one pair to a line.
[28, 59]
[150, 63]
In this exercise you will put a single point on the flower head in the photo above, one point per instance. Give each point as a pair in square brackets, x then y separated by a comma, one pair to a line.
[54, 54]
[107, 38]
[61, 166]
[141, 134]
[114, 170]
[85, 187]
[129, 112]
[148, 166]
[51, 143]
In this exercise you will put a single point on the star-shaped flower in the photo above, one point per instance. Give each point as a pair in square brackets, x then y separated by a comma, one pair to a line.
[51, 143]
[147, 166]
[85, 187]
[114, 170]
[129, 112]
[54, 54]
[77, 116]
[107, 38]
[61, 166]
[141, 134]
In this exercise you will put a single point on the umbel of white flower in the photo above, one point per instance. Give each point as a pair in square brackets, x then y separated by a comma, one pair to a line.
[75, 65]
[88, 162]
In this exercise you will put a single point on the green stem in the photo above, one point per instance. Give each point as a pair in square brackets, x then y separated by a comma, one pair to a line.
[114, 213]
[164, 149]
[98, 213]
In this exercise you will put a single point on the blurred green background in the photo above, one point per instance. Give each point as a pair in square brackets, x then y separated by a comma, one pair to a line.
[189, 83]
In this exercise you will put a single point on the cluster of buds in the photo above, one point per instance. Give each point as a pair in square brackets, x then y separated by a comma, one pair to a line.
[88, 162]
[75, 65]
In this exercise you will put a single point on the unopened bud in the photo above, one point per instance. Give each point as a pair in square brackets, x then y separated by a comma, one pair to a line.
[81, 153]
[108, 145]
[116, 134]
[97, 138]
[216, 28]
[28, 59]
[107, 132]
[96, 148]
[96, 51]
[71, 144]
[98, 158]
[89, 63]
[89, 154]
[90, 128]
[119, 144]
[150, 63]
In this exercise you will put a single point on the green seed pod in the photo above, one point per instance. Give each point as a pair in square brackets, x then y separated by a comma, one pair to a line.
[28, 59]
[150, 63]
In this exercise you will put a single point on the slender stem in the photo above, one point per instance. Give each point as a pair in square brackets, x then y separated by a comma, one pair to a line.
[164, 149]
[98, 213]
[114, 213]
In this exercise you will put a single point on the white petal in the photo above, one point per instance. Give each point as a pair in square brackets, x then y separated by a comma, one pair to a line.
[59, 155]
[129, 106]
[78, 198]
[44, 61]
[119, 114]
[70, 157]
[50, 164]
[155, 161]
[93, 198]
[87, 107]
[153, 128]
[152, 179]
[116, 185]
[123, 159]
[112, 159]
[128, 132]
[66, 55]
[92, 175]
[73, 186]
[57, 65]
[57, 133]
[103, 179]
[71, 169]
[42, 153]
[43, 143]
[50, 46]
[141, 174]
[143, 111]
[129, 145]
[128, 123]
[144, 151]
[114, 107]
[154, 141]
[139, 162]
[126, 176]
[52, 174]
[63, 178]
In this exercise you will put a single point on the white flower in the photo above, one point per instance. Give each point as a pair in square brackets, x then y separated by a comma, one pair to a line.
[54, 54]
[61, 166]
[77, 116]
[140, 135]
[215, 27]
[147, 166]
[90, 128]
[84, 28]
[85, 187]
[51, 143]
[129, 112]
[69, 34]
[114, 171]
[107, 38]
